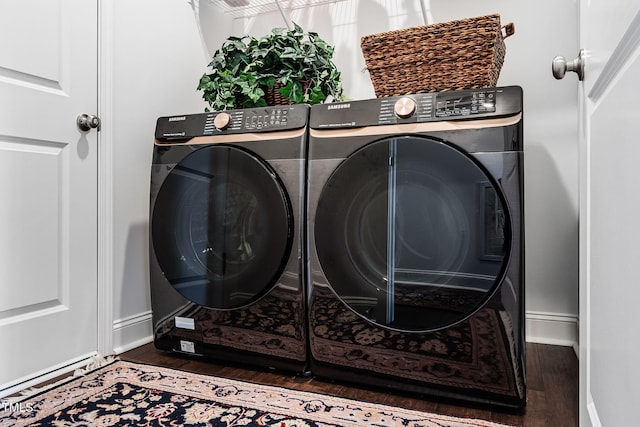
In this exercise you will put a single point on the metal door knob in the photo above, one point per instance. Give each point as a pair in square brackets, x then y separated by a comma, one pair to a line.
[86, 122]
[560, 66]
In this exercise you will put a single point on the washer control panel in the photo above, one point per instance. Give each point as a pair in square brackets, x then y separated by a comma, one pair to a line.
[417, 108]
[249, 120]
[465, 104]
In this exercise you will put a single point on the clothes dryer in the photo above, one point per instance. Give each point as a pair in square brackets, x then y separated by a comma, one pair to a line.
[416, 244]
[226, 232]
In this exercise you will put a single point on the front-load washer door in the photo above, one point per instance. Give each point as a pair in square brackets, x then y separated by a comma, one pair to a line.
[222, 227]
[412, 234]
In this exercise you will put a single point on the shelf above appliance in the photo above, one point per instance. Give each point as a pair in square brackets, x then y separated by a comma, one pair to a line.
[250, 8]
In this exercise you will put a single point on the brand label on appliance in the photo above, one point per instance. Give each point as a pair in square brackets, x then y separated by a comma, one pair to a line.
[177, 119]
[338, 106]
[187, 346]
[185, 323]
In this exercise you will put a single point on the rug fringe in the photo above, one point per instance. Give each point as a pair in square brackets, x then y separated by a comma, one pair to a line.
[94, 363]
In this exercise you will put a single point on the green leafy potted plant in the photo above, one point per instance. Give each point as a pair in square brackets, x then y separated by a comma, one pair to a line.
[284, 67]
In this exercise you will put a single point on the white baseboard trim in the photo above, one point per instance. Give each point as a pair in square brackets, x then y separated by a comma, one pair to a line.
[132, 332]
[552, 328]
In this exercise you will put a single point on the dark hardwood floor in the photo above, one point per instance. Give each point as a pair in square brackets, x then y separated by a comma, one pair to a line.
[552, 386]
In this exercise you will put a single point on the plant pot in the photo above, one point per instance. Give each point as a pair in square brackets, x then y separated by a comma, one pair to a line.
[274, 97]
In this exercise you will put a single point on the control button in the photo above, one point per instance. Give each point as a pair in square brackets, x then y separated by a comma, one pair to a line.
[404, 107]
[222, 121]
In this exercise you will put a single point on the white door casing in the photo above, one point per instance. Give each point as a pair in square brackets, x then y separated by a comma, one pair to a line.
[609, 206]
[48, 187]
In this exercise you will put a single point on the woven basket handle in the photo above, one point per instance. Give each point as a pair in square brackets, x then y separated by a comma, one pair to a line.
[508, 30]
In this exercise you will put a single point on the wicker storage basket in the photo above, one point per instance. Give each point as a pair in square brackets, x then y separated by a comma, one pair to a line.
[463, 54]
[274, 97]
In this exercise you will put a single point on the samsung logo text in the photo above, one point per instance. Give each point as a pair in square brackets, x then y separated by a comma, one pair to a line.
[338, 106]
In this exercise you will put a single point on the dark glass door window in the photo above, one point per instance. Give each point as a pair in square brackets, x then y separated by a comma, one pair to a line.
[411, 233]
[222, 227]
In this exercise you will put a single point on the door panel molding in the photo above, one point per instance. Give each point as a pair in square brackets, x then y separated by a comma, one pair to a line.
[38, 191]
[18, 78]
[629, 44]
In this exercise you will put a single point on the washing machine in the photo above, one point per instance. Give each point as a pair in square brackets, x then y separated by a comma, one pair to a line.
[416, 244]
[226, 232]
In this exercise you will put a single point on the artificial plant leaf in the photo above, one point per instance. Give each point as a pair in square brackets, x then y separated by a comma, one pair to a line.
[290, 52]
[285, 90]
[296, 95]
[316, 95]
[269, 82]
[255, 94]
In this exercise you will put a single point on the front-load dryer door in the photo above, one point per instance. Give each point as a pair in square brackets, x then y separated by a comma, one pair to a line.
[222, 227]
[412, 234]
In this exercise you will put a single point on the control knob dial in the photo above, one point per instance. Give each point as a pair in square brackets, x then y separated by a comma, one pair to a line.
[222, 121]
[404, 107]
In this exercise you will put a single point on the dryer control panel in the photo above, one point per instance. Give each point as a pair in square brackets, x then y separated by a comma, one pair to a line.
[249, 120]
[417, 108]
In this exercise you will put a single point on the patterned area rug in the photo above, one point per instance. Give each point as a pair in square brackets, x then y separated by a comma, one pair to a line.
[128, 394]
[476, 354]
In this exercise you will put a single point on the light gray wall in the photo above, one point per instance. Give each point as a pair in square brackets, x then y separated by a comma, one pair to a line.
[162, 47]
[158, 57]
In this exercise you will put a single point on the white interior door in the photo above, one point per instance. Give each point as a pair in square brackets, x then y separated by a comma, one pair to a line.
[48, 187]
[610, 207]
